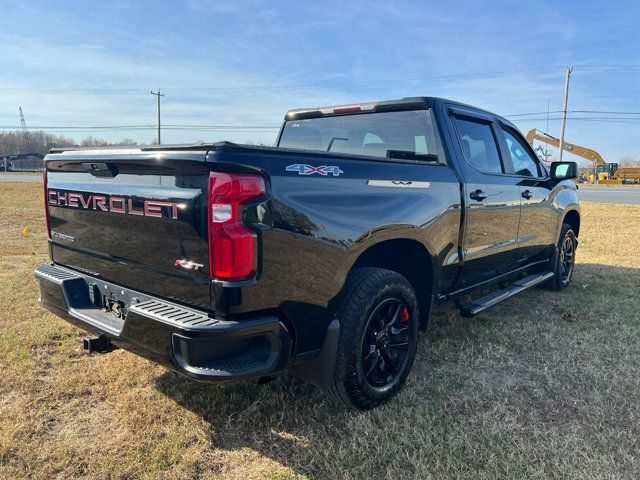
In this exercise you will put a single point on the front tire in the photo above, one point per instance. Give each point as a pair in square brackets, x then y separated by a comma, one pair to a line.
[378, 314]
[565, 263]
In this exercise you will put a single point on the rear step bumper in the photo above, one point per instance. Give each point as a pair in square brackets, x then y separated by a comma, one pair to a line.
[183, 339]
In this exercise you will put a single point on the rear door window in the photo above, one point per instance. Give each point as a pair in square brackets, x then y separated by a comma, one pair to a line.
[479, 145]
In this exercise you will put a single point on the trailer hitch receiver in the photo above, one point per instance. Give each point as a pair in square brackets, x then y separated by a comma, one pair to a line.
[97, 343]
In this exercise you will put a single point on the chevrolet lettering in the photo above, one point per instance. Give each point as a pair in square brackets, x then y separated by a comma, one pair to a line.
[149, 208]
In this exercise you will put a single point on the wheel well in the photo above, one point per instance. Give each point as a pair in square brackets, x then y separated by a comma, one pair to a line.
[573, 218]
[410, 259]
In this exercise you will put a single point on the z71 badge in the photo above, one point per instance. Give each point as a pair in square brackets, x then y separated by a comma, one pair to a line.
[323, 170]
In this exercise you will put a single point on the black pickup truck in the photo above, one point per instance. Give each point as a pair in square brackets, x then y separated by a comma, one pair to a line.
[322, 256]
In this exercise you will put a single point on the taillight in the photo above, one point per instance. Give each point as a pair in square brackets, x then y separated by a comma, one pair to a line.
[233, 248]
[46, 202]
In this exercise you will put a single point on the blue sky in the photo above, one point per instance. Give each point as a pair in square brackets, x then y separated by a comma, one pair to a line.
[244, 63]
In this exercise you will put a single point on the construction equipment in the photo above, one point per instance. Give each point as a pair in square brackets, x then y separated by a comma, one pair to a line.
[587, 175]
[627, 175]
[25, 132]
[602, 172]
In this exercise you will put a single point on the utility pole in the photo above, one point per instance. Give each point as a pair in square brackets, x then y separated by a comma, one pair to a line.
[158, 94]
[564, 112]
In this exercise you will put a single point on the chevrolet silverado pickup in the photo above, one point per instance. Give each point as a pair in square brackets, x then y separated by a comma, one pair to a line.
[322, 256]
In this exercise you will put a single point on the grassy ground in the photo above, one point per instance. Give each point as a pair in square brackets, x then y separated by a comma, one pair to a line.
[543, 386]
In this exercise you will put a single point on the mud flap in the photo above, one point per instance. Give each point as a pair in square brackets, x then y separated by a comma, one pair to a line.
[319, 370]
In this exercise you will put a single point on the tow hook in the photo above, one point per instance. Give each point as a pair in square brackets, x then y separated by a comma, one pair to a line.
[116, 307]
[97, 343]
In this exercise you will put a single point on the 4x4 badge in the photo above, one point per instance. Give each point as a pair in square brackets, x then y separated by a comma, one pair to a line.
[310, 169]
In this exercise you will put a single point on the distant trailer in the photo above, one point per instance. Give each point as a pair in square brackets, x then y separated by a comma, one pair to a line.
[22, 162]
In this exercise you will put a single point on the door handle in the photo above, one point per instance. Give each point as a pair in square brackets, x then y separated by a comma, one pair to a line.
[478, 195]
[527, 194]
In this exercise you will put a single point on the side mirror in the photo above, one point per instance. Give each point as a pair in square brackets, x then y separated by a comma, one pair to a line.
[564, 170]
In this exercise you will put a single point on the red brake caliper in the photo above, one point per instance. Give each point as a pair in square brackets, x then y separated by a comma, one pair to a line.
[404, 316]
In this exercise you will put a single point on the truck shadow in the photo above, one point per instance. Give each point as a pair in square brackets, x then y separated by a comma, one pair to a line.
[282, 419]
[295, 425]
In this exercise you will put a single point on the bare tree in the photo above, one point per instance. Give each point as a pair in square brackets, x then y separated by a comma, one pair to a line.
[629, 161]
[37, 141]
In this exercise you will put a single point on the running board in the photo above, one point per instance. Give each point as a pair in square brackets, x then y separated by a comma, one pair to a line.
[494, 298]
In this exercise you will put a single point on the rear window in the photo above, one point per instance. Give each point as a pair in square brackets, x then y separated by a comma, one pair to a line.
[407, 134]
[479, 145]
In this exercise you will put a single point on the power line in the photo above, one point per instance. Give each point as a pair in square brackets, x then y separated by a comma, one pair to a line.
[280, 114]
[56, 130]
[571, 111]
[605, 112]
[181, 115]
[553, 97]
[629, 65]
[167, 125]
[530, 114]
[235, 127]
[204, 90]
[511, 115]
[594, 119]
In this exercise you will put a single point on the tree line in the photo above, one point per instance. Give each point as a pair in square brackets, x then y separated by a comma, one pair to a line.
[38, 141]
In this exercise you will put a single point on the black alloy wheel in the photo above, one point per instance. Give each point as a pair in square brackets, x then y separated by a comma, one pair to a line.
[565, 261]
[385, 342]
[378, 314]
[567, 258]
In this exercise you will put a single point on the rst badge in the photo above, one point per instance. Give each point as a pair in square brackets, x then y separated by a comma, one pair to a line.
[323, 170]
[188, 264]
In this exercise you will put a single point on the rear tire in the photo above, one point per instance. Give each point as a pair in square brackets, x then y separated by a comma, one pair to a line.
[378, 314]
[565, 263]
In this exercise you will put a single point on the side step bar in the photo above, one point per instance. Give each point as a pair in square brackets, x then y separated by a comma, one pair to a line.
[494, 298]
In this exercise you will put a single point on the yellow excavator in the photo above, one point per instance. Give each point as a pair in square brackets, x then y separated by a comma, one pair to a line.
[606, 172]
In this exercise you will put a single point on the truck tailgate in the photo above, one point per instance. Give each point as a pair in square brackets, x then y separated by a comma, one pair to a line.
[127, 216]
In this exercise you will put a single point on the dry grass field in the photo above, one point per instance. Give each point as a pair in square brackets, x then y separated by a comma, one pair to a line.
[546, 385]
